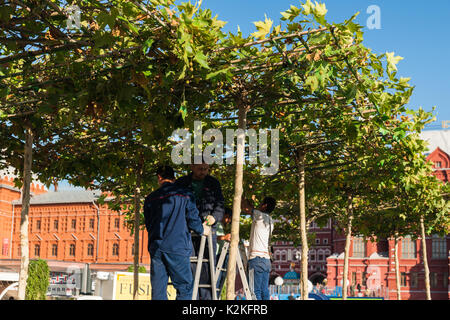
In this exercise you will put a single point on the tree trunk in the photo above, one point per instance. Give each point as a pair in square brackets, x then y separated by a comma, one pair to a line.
[348, 239]
[238, 182]
[24, 248]
[425, 259]
[303, 228]
[397, 268]
[137, 224]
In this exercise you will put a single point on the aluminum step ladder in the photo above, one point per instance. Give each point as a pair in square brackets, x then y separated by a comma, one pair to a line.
[248, 291]
[199, 260]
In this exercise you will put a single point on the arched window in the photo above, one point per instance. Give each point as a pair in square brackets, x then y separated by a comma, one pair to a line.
[439, 247]
[90, 249]
[312, 255]
[72, 250]
[408, 248]
[359, 247]
[320, 256]
[115, 249]
[37, 250]
[54, 250]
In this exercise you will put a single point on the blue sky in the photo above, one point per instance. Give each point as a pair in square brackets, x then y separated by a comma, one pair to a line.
[419, 31]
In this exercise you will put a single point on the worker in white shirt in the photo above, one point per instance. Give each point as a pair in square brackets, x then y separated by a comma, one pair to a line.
[259, 249]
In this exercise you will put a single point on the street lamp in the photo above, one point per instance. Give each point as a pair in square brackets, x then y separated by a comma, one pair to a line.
[278, 282]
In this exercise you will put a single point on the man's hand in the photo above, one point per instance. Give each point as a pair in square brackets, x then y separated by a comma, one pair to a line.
[210, 220]
[226, 237]
[206, 229]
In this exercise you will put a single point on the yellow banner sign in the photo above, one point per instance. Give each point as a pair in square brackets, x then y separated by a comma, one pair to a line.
[123, 287]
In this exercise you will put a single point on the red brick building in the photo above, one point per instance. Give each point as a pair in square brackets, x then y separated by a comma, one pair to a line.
[286, 256]
[66, 226]
[372, 265]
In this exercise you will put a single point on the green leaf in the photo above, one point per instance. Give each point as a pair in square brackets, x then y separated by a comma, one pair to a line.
[216, 73]
[201, 59]
[263, 28]
[320, 10]
[133, 28]
[147, 45]
[183, 110]
[312, 82]
[290, 14]
[307, 8]
[392, 61]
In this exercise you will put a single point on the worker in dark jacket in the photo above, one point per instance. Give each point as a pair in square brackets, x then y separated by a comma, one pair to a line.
[210, 204]
[170, 213]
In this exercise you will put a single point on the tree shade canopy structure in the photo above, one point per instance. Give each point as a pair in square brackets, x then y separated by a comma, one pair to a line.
[98, 90]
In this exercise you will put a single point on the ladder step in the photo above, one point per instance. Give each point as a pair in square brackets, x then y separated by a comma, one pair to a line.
[196, 260]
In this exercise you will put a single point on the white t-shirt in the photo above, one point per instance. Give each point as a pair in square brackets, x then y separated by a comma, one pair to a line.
[259, 235]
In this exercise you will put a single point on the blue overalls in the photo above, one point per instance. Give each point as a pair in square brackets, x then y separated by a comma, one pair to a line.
[170, 213]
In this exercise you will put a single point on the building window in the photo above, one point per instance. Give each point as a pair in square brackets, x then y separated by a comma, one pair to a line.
[90, 249]
[72, 250]
[37, 250]
[359, 247]
[439, 247]
[353, 278]
[317, 241]
[74, 224]
[414, 279]
[54, 250]
[55, 224]
[38, 225]
[408, 248]
[438, 164]
[117, 223]
[403, 279]
[277, 255]
[445, 280]
[312, 256]
[325, 241]
[91, 224]
[320, 257]
[433, 279]
[115, 249]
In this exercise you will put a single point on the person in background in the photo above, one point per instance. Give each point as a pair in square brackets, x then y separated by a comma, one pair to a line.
[210, 204]
[170, 213]
[259, 249]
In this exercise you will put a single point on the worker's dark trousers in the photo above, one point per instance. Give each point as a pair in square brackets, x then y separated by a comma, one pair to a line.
[164, 265]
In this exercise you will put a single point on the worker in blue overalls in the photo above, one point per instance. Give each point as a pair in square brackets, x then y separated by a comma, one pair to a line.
[170, 213]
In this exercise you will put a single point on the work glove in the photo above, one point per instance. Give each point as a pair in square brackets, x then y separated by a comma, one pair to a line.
[206, 229]
[210, 220]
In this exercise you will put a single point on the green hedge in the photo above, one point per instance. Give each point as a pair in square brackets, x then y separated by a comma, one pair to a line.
[38, 280]
[141, 269]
